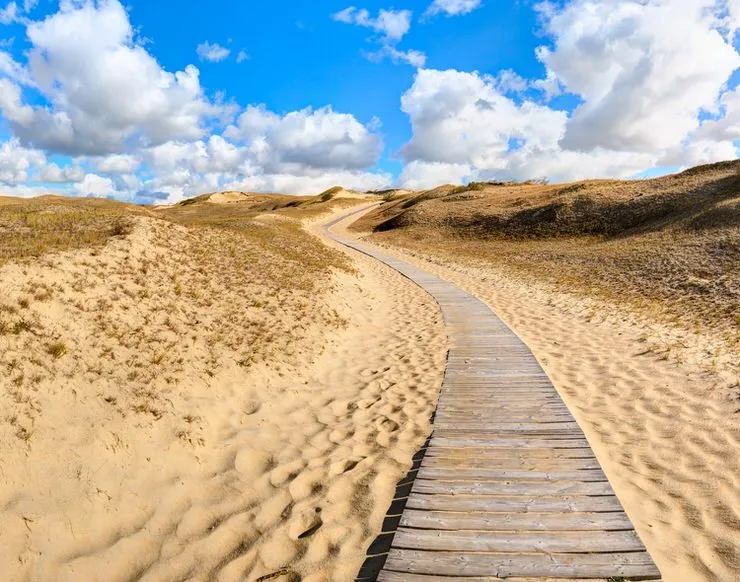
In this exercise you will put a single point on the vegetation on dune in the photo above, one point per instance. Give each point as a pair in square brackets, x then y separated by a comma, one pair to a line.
[702, 197]
[195, 200]
[668, 246]
[35, 226]
[327, 195]
[196, 291]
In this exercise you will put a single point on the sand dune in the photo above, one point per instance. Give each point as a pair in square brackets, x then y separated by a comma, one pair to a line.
[668, 247]
[216, 470]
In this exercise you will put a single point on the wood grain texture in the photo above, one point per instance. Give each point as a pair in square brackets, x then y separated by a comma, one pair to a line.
[634, 565]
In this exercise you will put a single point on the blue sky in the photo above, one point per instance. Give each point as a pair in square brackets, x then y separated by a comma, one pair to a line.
[150, 101]
[300, 57]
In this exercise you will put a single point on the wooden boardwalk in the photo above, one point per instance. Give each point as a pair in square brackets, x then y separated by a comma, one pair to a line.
[508, 486]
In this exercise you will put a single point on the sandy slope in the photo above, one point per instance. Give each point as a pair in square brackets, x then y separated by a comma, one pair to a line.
[227, 472]
[663, 425]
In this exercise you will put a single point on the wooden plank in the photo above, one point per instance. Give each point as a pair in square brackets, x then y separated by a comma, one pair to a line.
[516, 541]
[481, 474]
[509, 414]
[491, 441]
[520, 462]
[489, 406]
[388, 576]
[501, 410]
[513, 503]
[510, 399]
[509, 452]
[551, 422]
[503, 400]
[501, 407]
[505, 409]
[503, 521]
[634, 564]
[532, 427]
[515, 488]
[496, 423]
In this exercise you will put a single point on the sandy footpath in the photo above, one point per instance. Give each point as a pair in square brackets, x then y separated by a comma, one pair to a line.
[664, 424]
[285, 470]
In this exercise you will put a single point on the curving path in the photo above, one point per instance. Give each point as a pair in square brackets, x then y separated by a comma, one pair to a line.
[508, 486]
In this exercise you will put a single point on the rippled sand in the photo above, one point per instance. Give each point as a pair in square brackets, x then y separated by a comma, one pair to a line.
[291, 471]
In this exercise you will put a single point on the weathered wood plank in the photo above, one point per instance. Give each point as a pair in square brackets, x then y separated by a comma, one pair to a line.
[512, 418]
[516, 541]
[388, 576]
[527, 521]
[503, 453]
[521, 462]
[511, 453]
[515, 488]
[492, 441]
[501, 409]
[493, 429]
[513, 503]
[511, 414]
[634, 564]
[505, 427]
[485, 474]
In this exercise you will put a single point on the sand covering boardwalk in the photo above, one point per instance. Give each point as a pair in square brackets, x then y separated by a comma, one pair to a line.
[508, 486]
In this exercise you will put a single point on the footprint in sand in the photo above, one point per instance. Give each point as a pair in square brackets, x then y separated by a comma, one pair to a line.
[251, 406]
[388, 425]
[343, 466]
[251, 463]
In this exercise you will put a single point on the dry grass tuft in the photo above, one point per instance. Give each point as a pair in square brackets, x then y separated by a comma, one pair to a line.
[56, 349]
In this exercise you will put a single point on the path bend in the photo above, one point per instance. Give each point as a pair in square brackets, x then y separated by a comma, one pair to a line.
[508, 486]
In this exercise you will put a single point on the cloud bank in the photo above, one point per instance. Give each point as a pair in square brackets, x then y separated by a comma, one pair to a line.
[90, 111]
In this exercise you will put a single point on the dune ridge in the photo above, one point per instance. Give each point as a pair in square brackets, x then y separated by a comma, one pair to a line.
[667, 247]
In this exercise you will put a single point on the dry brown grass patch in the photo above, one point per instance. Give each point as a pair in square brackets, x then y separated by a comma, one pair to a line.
[668, 247]
[35, 226]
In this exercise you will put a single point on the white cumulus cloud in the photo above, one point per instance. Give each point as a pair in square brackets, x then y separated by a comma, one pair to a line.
[392, 26]
[412, 57]
[11, 103]
[9, 14]
[420, 175]
[17, 161]
[118, 164]
[300, 152]
[464, 128]
[54, 174]
[461, 118]
[213, 53]
[96, 186]
[105, 91]
[651, 76]
[644, 69]
[452, 7]
[321, 138]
